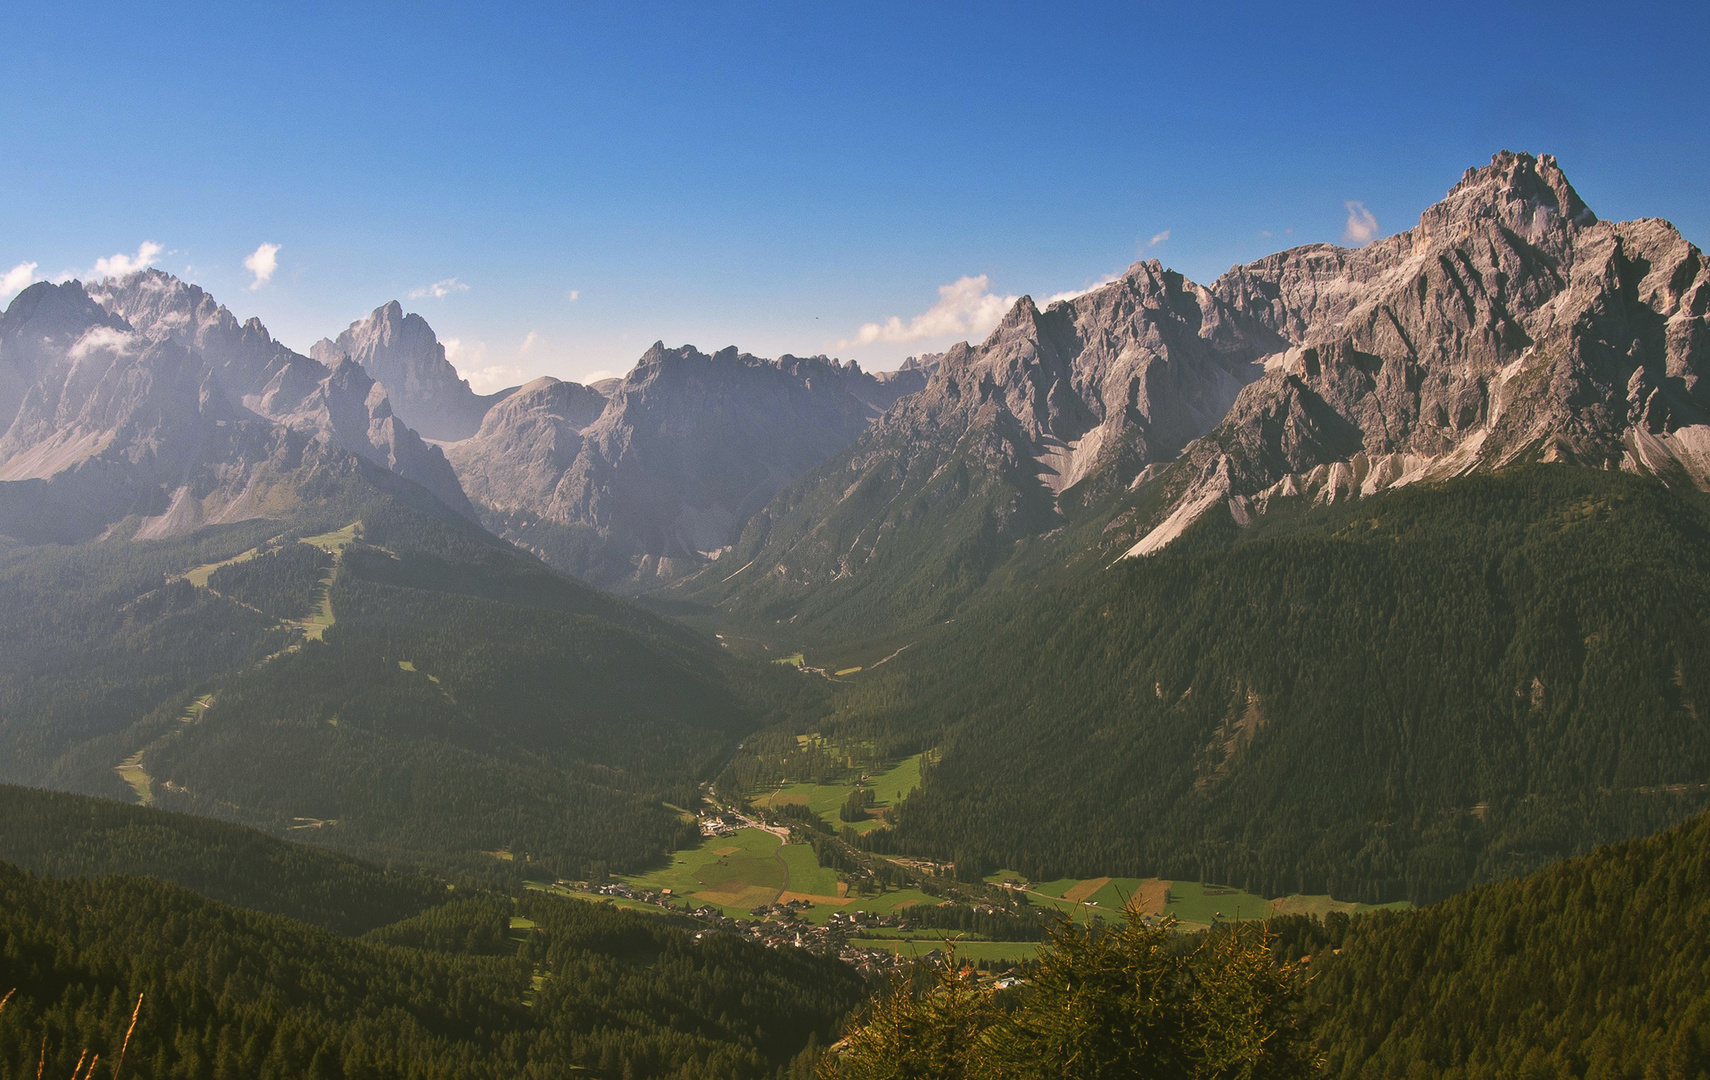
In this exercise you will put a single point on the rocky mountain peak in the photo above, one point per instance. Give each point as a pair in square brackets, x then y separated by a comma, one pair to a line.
[60, 311]
[401, 350]
[1530, 196]
[653, 482]
[142, 397]
[1510, 325]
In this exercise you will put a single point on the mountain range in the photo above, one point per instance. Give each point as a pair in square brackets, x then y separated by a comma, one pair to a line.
[1375, 572]
[1510, 325]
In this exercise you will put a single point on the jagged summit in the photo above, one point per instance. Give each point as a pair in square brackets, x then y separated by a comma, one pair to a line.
[651, 475]
[142, 398]
[403, 353]
[1510, 324]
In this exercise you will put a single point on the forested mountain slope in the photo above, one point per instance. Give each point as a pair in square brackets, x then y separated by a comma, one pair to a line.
[411, 688]
[227, 992]
[1592, 967]
[55, 834]
[1391, 698]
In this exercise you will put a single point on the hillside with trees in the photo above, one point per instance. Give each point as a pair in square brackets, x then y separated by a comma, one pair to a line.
[227, 992]
[1385, 699]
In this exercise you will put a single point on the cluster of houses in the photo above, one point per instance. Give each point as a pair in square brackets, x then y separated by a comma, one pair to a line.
[778, 925]
[719, 824]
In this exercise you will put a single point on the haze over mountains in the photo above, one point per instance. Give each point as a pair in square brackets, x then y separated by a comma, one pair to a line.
[1358, 574]
[652, 480]
[806, 501]
[401, 352]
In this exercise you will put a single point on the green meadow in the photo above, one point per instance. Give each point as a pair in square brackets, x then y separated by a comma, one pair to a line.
[889, 788]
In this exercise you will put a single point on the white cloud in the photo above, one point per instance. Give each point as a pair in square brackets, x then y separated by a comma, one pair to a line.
[965, 308]
[1073, 294]
[121, 264]
[1362, 227]
[1159, 238]
[573, 295]
[262, 263]
[16, 280]
[529, 342]
[100, 337]
[596, 375]
[439, 290]
[494, 377]
[472, 363]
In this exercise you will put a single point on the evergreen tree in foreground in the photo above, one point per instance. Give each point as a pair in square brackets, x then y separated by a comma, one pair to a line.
[1104, 1003]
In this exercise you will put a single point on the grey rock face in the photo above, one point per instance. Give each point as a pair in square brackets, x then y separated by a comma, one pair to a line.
[685, 449]
[402, 352]
[525, 445]
[1509, 325]
[181, 419]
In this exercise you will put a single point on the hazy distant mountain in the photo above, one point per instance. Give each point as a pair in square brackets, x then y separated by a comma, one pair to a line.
[653, 482]
[1510, 325]
[142, 399]
[403, 354]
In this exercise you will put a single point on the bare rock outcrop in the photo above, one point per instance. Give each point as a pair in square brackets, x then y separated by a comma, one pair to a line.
[181, 418]
[1509, 325]
[658, 479]
[403, 353]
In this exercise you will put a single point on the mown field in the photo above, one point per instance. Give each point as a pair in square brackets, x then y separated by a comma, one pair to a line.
[889, 788]
[1011, 951]
[1194, 904]
[740, 872]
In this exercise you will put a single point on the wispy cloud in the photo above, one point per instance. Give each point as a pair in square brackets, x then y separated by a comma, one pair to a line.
[967, 307]
[439, 290]
[1158, 238]
[573, 295]
[262, 262]
[529, 342]
[16, 280]
[1362, 227]
[121, 264]
[98, 338]
[484, 373]
[1073, 294]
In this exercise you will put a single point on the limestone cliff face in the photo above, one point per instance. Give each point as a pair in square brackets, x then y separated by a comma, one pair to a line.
[525, 445]
[1509, 325]
[403, 354]
[653, 479]
[141, 400]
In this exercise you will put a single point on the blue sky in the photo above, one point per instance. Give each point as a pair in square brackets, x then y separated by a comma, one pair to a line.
[582, 179]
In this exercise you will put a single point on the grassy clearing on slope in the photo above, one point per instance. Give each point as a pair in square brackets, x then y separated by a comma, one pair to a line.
[889, 788]
[807, 876]
[199, 576]
[1192, 903]
[334, 543]
[733, 873]
[132, 773]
